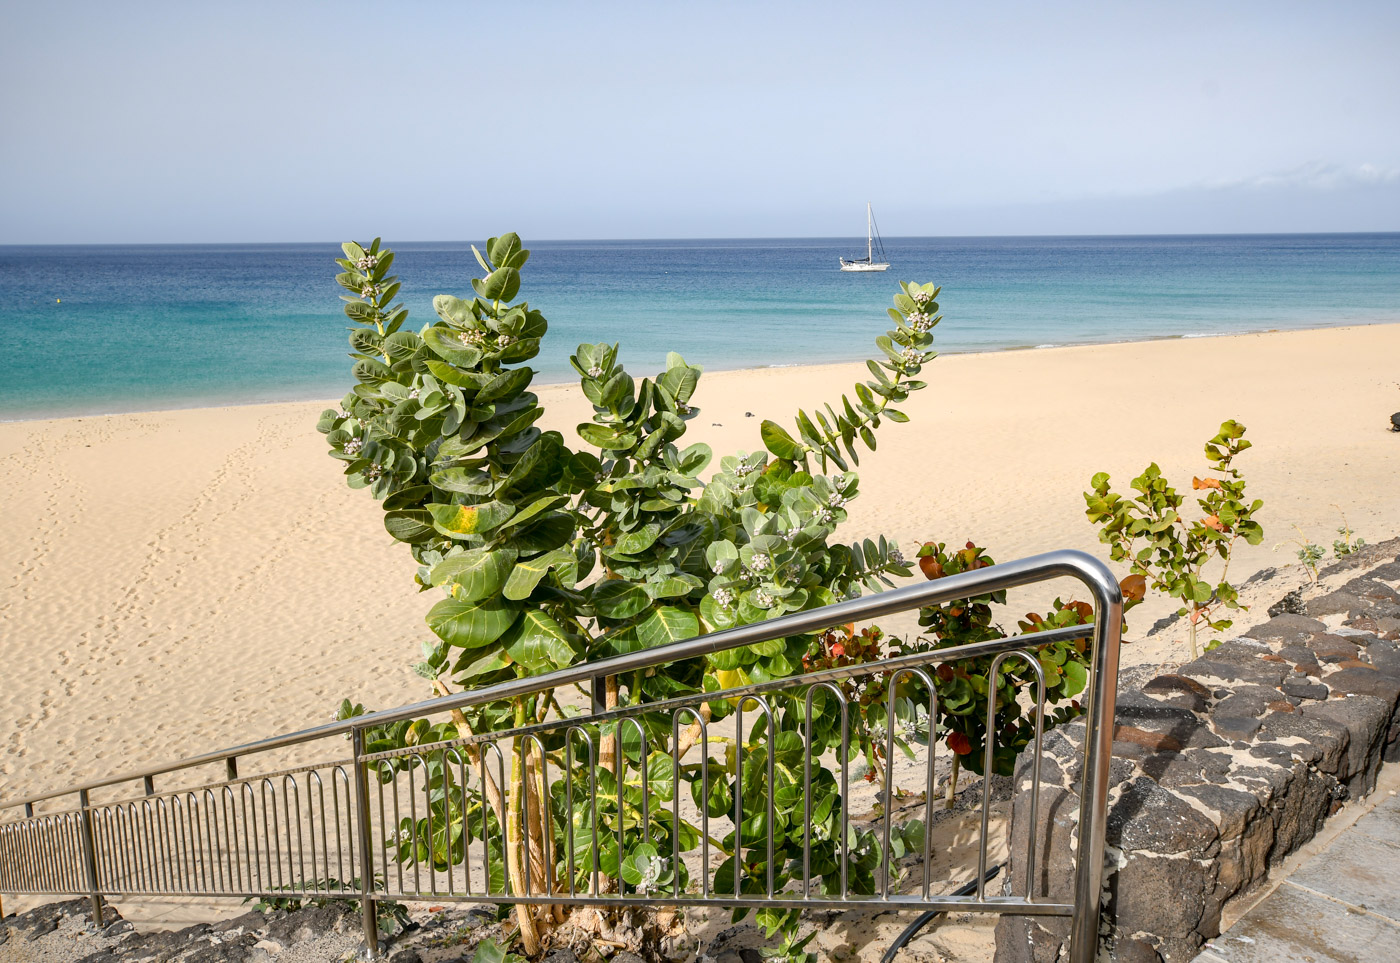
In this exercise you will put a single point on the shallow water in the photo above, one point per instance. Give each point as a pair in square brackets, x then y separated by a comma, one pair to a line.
[113, 328]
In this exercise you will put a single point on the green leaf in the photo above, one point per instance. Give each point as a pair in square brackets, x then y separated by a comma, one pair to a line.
[538, 643]
[667, 623]
[505, 386]
[459, 521]
[471, 625]
[480, 572]
[528, 572]
[501, 284]
[637, 541]
[447, 344]
[618, 599]
[779, 442]
[609, 439]
[412, 527]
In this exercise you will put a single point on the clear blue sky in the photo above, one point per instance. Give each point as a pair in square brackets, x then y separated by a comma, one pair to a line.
[192, 121]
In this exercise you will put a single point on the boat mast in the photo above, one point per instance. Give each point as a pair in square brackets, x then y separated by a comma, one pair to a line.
[869, 235]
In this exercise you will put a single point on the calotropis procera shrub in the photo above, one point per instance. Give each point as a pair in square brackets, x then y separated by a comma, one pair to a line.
[548, 555]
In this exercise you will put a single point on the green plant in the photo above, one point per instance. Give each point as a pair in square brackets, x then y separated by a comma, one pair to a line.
[391, 916]
[548, 555]
[1348, 544]
[1171, 553]
[1309, 553]
[966, 687]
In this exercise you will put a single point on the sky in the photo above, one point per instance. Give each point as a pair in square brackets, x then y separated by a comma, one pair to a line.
[242, 122]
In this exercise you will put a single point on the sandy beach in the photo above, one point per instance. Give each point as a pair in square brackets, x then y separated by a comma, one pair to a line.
[179, 581]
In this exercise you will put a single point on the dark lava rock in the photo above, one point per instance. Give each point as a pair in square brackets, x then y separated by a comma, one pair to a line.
[1290, 604]
[1179, 691]
[409, 955]
[1395, 421]
[1359, 681]
[1290, 629]
[1148, 817]
[1333, 648]
[1304, 690]
[1259, 672]
[1323, 742]
[1236, 808]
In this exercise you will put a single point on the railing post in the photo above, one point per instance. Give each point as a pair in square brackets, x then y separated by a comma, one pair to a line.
[365, 845]
[231, 768]
[599, 694]
[1098, 755]
[90, 858]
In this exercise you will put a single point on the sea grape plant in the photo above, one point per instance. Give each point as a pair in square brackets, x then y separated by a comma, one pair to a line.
[1170, 553]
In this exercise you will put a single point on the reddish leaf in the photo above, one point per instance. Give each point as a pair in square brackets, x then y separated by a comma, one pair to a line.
[959, 743]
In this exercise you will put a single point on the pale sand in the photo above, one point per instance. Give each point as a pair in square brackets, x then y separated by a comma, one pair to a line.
[179, 581]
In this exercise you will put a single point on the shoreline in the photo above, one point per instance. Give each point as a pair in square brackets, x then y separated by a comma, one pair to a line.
[709, 370]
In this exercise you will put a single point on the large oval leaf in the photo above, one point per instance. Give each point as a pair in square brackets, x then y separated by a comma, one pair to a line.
[667, 623]
[472, 624]
[480, 572]
[637, 541]
[527, 573]
[779, 442]
[448, 345]
[538, 643]
[616, 599]
[409, 526]
[459, 521]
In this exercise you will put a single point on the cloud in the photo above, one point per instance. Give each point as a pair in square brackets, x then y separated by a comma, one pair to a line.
[1315, 176]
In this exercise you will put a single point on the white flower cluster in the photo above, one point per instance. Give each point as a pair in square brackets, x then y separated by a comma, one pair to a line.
[922, 297]
[760, 562]
[651, 875]
[471, 337]
[744, 468]
[367, 263]
[504, 341]
[595, 372]
[763, 600]
[414, 393]
[682, 408]
[723, 597]
[824, 516]
[352, 446]
[837, 500]
[373, 472]
[913, 356]
[717, 568]
[897, 558]
[920, 321]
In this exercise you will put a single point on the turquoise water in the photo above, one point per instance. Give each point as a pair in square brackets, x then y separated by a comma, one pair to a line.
[145, 327]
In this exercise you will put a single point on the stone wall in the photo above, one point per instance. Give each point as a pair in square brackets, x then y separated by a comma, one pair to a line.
[1220, 770]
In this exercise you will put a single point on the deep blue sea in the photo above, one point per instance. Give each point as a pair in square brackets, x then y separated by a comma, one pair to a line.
[118, 328]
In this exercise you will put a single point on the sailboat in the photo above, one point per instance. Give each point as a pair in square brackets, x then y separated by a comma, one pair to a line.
[872, 240]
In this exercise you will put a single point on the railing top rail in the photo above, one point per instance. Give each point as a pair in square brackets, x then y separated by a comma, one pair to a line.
[1063, 563]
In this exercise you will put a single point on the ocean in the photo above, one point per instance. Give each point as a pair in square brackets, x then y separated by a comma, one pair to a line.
[95, 329]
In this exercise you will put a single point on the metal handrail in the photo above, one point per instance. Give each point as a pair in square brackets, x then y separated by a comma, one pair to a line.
[1064, 563]
[1099, 706]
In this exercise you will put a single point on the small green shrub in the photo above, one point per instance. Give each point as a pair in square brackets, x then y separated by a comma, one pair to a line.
[1170, 553]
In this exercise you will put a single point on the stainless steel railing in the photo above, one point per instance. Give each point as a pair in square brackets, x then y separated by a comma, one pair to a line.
[428, 820]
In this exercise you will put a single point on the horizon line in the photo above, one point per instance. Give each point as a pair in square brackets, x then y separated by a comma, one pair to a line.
[789, 237]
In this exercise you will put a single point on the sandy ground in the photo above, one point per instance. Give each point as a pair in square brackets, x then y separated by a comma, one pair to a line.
[178, 581]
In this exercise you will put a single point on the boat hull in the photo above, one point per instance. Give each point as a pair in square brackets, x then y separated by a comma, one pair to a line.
[862, 266]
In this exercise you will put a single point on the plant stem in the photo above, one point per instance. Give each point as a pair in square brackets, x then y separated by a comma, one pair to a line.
[952, 783]
[529, 935]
